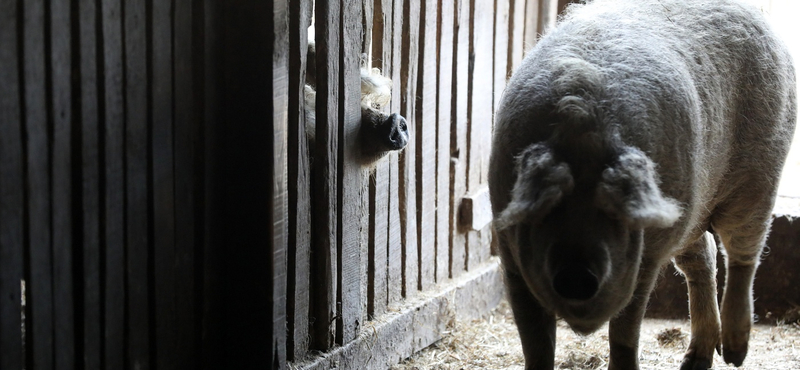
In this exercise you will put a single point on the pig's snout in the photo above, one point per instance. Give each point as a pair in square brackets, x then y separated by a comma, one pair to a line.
[395, 132]
[576, 282]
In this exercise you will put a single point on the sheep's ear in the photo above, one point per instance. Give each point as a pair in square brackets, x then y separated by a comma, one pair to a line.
[629, 190]
[541, 183]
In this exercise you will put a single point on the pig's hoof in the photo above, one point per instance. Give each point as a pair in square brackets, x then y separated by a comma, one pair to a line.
[693, 362]
[733, 355]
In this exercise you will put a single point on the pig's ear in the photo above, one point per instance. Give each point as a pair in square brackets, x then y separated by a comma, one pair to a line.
[629, 191]
[542, 182]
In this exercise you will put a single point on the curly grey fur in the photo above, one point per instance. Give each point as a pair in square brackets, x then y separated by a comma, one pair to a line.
[670, 117]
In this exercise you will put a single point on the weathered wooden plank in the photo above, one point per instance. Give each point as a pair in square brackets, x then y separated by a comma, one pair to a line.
[379, 202]
[516, 33]
[458, 134]
[90, 213]
[408, 190]
[279, 197]
[353, 178]
[393, 12]
[11, 190]
[114, 197]
[326, 174]
[299, 174]
[416, 325]
[39, 284]
[480, 122]
[548, 12]
[426, 144]
[501, 29]
[444, 118]
[531, 33]
[163, 185]
[62, 157]
[136, 181]
[186, 195]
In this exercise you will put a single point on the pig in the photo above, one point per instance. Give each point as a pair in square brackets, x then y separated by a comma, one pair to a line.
[631, 130]
[379, 133]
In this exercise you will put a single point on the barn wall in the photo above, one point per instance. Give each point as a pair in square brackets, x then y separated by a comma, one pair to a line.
[162, 208]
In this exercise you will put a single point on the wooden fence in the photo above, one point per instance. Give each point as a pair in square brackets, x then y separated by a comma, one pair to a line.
[160, 206]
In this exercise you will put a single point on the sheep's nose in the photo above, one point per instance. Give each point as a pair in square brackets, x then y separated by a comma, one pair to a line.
[576, 282]
[398, 132]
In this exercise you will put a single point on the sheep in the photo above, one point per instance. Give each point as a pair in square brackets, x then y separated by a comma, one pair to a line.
[627, 133]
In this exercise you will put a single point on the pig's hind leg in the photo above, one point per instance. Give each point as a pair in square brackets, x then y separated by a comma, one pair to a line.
[698, 262]
[742, 223]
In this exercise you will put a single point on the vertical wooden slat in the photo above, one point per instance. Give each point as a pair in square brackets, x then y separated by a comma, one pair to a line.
[186, 195]
[62, 118]
[531, 32]
[352, 174]
[299, 241]
[39, 303]
[516, 32]
[444, 119]
[163, 182]
[548, 11]
[501, 27]
[392, 59]
[11, 191]
[480, 116]
[408, 190]
[458, 134]
[136, 179]
[426, 145]
[90, 192]
[326, 168]
[379, 181]
[114, 199]
[278, 198]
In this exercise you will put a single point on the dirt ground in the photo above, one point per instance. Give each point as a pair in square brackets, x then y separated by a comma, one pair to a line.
[493, 343]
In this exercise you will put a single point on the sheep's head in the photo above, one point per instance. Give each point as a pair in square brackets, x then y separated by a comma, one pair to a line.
[577, 240]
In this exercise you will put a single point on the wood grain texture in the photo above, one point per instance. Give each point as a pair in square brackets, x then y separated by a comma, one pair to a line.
[444, 118]
[326, 168]
[62, 177]
[395, 247]
[458, 134]
[39, 285]
[279, 197]
[163, 187]
[186, 158]
[299, 173]
[136, 183]
[113, 138]
[516, 33]
[91, 194]
[548, 12]
[353, 178]
[501, 45]
[379, 202]
[408, 190]
[426, 144]
[480, 120]
[11, 190]
[531, 33]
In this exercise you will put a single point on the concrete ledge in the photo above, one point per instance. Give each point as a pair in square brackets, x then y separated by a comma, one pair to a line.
[417, 324]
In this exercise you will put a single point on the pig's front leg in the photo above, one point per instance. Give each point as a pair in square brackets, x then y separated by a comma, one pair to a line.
[537, 327]
[623, 330]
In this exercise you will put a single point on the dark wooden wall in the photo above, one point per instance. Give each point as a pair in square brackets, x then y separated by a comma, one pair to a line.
[160, 204]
